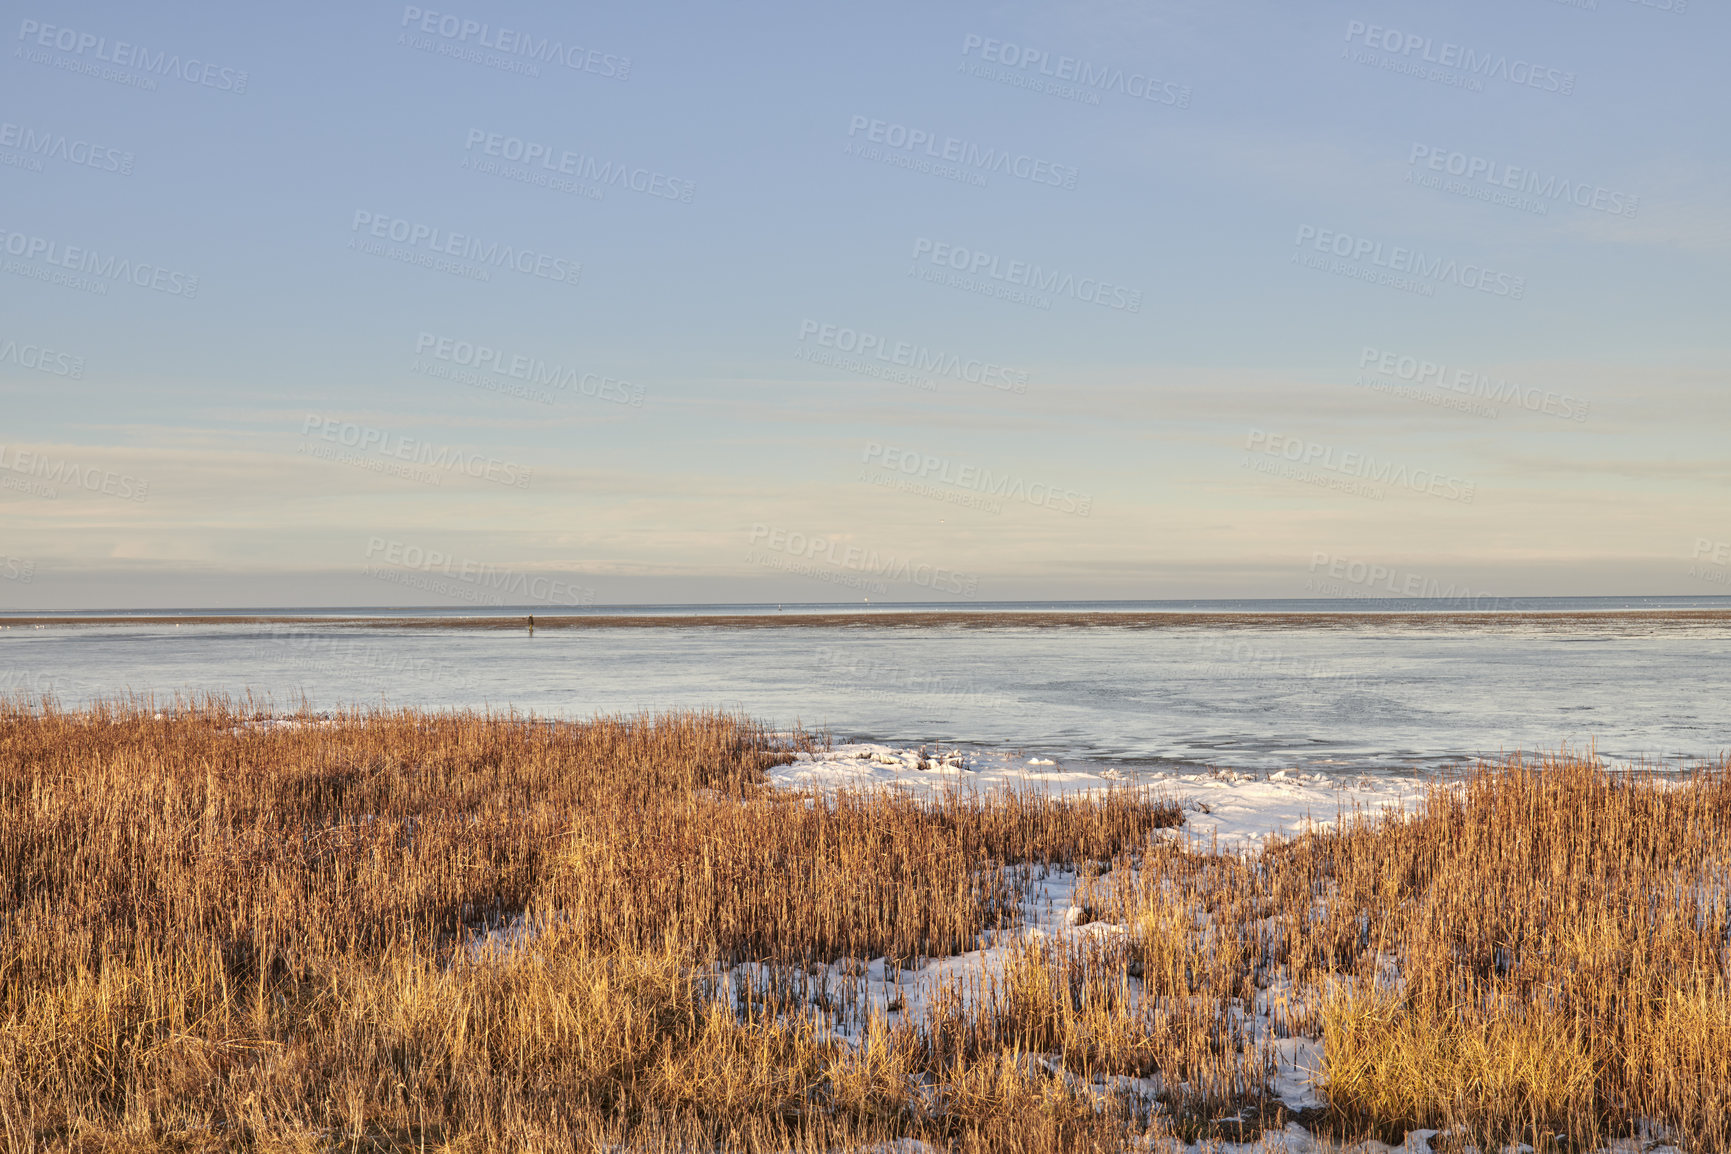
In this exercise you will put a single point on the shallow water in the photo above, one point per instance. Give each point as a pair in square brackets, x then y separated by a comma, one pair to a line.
[1347, 700]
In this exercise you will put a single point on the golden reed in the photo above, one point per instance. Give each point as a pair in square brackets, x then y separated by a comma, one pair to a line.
[224, 930]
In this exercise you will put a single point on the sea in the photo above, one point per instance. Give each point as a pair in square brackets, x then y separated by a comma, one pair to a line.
[1348, 687]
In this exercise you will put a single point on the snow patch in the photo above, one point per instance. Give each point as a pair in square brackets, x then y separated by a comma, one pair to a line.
[1223, 808]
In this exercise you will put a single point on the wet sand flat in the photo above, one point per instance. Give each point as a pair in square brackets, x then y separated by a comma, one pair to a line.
[1643, 620]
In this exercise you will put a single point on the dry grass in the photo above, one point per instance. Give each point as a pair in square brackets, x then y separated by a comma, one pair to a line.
[218, 934]
[1564, 941]
[1539, 954]
[225, 934]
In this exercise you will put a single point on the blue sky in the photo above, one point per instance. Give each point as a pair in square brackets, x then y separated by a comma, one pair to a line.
[1436, 293]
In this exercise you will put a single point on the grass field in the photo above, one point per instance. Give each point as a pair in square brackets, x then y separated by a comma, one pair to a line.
[409, 931]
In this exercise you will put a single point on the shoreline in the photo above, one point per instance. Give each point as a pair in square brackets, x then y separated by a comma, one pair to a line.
[963, 619]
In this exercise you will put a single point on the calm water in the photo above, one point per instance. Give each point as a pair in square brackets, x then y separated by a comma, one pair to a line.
[1361, 697]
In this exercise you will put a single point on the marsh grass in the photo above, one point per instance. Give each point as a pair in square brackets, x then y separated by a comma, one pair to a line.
[223, 930]
[1564, 939]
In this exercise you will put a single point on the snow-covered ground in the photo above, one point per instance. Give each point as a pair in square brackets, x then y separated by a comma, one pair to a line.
[1295, 1139]
[1224, 810]
[1229, 808]
[1051, 915]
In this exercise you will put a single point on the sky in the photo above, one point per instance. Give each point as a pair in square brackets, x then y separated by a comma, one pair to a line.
[524, 303]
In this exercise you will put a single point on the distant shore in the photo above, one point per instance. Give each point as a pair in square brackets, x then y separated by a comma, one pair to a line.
[933, 619]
